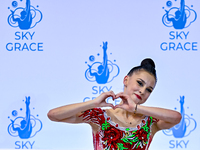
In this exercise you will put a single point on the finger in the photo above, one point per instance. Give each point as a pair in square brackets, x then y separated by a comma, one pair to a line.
[108, 105]
[122, 95]
[110, 94]
[114, 107]
[118, 95]
[113, 95]
[120, 106]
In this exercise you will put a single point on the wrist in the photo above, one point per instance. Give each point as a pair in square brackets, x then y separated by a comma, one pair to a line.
[92, 104]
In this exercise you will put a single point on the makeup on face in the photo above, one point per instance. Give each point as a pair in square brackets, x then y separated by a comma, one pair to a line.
[140, 84]
[138, 96]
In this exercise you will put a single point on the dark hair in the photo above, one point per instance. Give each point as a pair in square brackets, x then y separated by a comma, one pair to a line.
[147, 65]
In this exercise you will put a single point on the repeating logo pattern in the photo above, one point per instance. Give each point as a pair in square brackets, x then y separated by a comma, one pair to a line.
[101, 72]
[186, 125]
[178, 17]
[24, 17]
[24, 127]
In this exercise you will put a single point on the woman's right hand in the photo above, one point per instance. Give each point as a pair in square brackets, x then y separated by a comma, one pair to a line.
[128, 104]
[100, 101]
[70, 113]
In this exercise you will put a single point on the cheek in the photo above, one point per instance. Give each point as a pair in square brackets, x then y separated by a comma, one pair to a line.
[133, 90]
[144, 99]
[134, 87]
[147, 95]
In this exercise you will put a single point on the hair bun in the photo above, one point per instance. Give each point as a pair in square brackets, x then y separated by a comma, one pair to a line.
[148, 62]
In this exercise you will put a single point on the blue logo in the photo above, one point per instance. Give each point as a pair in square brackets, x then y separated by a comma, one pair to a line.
[24, 17]
[186, 125]
[24, 127]
[178, 17]
[101, 72]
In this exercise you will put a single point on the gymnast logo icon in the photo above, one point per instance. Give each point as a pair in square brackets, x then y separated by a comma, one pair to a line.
[24, 18]
[178, 17]
[24, 127]
[186, 125]
[101, 72]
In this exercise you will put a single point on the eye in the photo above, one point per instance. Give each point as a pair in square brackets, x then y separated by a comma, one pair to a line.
[140, 83]
[149, 90]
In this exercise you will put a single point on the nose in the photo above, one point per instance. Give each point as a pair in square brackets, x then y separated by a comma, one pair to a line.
[142, 90]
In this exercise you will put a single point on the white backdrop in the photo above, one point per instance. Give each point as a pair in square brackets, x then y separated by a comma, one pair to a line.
[64, 37]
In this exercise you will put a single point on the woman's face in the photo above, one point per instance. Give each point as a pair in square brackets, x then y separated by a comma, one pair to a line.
[139, 86]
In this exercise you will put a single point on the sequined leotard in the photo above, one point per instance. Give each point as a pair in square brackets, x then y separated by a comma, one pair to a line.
[113, 137]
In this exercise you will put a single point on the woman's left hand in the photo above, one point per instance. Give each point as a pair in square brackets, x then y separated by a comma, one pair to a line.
[128, 104]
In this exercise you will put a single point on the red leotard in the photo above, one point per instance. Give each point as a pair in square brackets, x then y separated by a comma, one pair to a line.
[113, 137]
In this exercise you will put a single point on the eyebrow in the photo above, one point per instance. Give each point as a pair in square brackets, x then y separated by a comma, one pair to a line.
[145, 83]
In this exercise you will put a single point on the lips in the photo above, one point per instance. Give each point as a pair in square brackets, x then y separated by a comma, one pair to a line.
[138, 96]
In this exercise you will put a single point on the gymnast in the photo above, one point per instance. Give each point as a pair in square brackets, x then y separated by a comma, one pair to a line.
[129, 125]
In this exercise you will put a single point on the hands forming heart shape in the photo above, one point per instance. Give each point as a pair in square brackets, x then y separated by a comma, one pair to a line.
[127, 103]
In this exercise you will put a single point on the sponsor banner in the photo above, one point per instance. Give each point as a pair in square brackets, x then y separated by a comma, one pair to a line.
[61, 52]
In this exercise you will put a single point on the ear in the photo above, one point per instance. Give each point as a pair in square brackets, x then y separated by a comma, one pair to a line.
[125, 80]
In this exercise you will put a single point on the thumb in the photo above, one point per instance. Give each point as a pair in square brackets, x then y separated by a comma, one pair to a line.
[119, 106]
[109, 105]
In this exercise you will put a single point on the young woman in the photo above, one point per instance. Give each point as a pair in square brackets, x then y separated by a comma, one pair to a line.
[128, 125]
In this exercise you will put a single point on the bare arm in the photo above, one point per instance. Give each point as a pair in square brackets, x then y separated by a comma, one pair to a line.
[70, 113]
[167, 118]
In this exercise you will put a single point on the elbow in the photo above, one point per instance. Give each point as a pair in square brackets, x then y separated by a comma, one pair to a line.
[51, 115]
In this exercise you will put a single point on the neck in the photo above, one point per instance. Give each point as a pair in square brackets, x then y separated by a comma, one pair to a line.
[131, 114]
[128, 114]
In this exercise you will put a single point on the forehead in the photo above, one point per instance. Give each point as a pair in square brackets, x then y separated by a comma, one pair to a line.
[145, 76]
